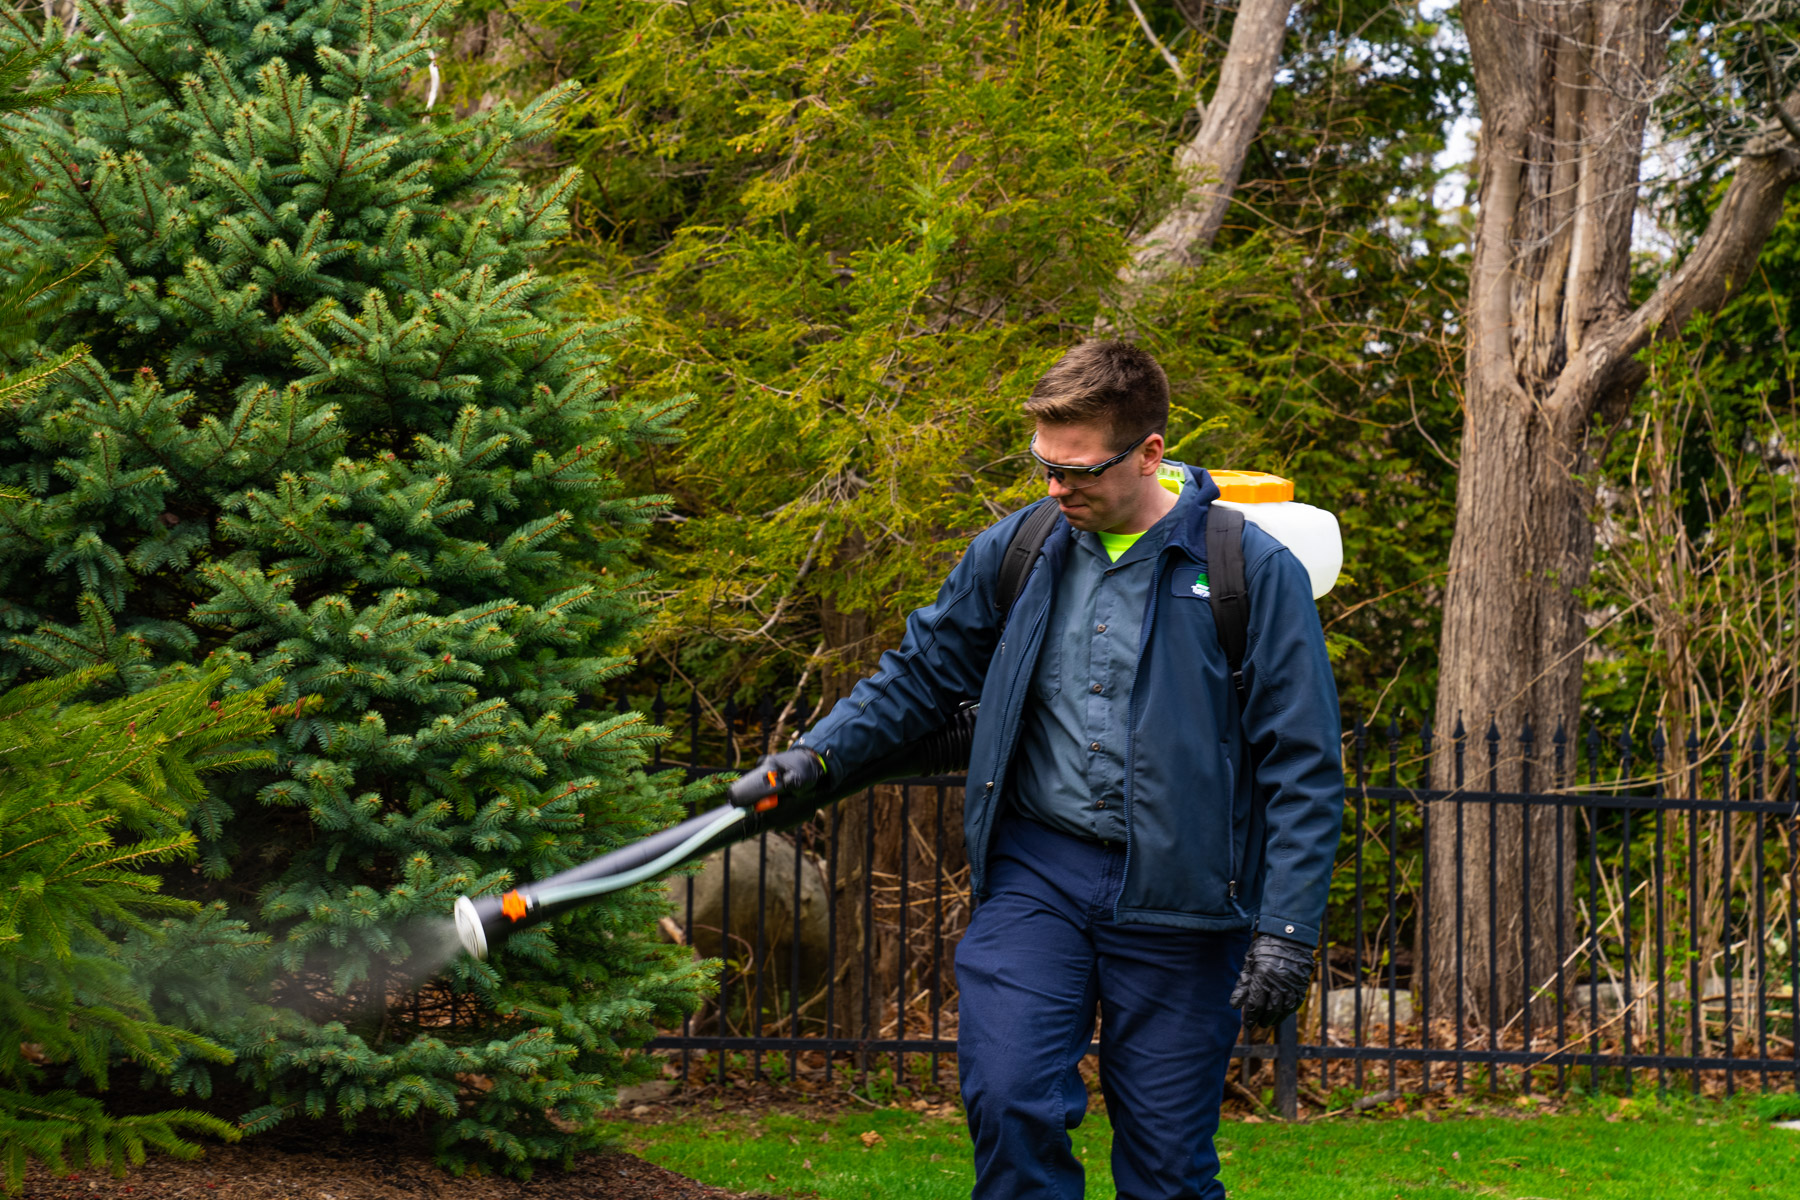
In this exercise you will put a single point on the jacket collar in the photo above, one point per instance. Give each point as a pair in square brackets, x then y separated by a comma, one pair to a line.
[1190, 533]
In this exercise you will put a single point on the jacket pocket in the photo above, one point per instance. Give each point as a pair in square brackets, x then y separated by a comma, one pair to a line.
[1234, 879]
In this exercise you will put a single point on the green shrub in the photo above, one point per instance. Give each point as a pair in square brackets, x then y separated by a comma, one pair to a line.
[334, 432]
[91, 795]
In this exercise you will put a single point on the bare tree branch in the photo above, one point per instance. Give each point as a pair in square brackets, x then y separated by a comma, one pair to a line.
[1174, 63]
[1718, 267]
[1209, 166]
[1781, 113]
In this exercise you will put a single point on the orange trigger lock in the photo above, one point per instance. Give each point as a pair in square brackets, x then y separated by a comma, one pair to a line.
[767, 802]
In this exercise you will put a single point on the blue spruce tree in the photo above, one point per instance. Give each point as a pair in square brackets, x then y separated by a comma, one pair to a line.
[333, 431]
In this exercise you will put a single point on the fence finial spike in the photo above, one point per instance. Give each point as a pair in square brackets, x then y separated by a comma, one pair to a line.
[1693, 742]
[1459, 733]
[1561, 736]
[1756, 742]
[1525, 734]
[1493, 733]
[1658, 742]
[1393, 730]
[1623, 741]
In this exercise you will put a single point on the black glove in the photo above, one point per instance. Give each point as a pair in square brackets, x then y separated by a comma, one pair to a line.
[1273, 983]
[779, 783]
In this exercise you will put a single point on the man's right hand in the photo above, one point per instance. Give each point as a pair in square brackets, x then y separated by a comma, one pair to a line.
[789, 775]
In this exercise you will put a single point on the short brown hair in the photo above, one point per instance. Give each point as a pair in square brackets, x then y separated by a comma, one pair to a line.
[1111, 382]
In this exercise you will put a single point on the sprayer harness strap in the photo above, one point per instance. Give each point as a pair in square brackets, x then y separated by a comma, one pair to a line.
[1021, 552]
[1229, 592]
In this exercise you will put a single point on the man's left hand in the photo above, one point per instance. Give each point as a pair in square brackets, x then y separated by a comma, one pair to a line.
[1274, 980]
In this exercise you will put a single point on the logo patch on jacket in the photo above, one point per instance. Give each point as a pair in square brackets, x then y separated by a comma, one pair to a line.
[1200, 587]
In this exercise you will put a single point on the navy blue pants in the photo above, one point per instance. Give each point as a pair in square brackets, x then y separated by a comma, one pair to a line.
[1041, 953]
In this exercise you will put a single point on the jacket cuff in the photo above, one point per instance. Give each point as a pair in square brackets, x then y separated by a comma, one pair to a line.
[1294, 931]
[832, 768]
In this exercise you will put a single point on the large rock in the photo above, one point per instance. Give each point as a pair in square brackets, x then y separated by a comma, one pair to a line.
[1340, 1007]
[733, 936]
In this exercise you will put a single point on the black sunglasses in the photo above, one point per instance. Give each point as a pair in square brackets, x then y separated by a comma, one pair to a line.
[1076, 476]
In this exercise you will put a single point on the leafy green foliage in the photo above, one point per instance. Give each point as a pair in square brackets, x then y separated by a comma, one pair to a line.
[857, 235]
[92, 798]
[334, 432]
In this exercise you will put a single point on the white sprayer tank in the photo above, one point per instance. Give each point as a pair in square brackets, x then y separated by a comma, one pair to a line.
[1267, 501]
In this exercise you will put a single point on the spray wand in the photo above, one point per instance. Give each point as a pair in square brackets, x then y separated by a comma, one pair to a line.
[752, 806]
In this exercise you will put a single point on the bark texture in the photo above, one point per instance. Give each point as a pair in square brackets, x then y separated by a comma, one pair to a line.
[1564, 91]
[1210, 165]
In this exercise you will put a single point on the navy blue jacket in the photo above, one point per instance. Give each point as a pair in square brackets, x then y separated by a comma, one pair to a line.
[1232, 818]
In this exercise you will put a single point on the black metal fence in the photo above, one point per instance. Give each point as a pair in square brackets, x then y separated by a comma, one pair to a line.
[1506, 912]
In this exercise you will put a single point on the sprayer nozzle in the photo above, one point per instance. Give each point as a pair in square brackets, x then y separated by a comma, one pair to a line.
[468, 928]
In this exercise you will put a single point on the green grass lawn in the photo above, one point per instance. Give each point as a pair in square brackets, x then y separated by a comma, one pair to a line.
[1645, 1152]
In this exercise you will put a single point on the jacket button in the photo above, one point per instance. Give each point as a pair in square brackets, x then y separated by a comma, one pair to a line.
[1100, 804]
[1099, 629]
[1095, 689]
[1290, 929]
[1109, 574]
[990, 785]
[1093, 745]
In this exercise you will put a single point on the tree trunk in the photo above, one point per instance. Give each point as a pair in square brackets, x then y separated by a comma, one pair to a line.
[1522, 533]
[1564, 91]
[851, 831]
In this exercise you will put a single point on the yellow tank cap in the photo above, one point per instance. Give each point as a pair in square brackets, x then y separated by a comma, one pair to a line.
[1252, 487]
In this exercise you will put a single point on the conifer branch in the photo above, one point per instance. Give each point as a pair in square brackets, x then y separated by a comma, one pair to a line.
[103, 16]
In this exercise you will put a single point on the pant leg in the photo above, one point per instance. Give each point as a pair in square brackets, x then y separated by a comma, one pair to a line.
[1025, 971]
[1165, 1045]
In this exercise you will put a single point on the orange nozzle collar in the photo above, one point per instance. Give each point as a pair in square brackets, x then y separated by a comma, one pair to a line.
[513, 905]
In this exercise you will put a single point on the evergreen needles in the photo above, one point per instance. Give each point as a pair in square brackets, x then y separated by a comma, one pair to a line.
[92, 798]
[334, 436]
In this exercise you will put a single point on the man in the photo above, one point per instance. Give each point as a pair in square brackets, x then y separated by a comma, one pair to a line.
[1139, 845]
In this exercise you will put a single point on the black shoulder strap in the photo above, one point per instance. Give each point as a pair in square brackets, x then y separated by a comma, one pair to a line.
[1021, 552]
[1229, 594]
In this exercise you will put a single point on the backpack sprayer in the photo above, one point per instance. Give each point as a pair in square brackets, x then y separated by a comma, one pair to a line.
[752, 805]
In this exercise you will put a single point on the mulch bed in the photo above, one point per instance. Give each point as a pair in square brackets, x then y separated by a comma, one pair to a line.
[362, 1169]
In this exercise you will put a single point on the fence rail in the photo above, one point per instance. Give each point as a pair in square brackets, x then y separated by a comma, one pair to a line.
[1655, 937]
